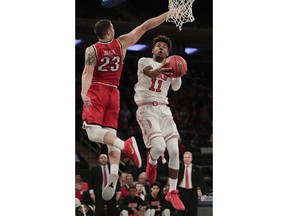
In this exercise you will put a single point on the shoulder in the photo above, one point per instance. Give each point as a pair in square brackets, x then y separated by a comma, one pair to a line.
[90, 48]
[144, 59]
[90, 52]
[117, 41]
[143, 62]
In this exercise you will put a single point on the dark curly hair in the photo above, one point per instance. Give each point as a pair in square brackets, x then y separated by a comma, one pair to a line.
[155, 184]
[163, 38]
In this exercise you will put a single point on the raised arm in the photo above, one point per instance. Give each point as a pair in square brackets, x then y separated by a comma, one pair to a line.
[133, 36]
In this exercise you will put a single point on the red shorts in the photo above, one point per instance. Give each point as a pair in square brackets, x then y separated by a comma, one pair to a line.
[104, 108]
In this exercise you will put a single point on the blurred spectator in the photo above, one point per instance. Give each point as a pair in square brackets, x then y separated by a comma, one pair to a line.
[143, 180]
[125, 188]
[98, 179]
[123, 178]
[165, 189]
[132, 205]
[80, 187]
[156, 203]
[139, 192]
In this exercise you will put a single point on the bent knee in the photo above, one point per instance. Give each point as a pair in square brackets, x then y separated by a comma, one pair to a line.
[95, 134]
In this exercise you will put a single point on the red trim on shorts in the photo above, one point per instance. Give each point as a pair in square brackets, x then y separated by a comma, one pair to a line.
[102, 126]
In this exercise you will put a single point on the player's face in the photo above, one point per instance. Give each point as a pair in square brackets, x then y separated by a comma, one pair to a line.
[129, 179]
[141, 179]
[132, 192]
[139, 188]
[103, 159]
[123, 177]
[160, 50]
[155, 190]
[187, 158]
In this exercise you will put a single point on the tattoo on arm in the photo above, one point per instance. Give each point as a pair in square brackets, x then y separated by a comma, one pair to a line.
[90, 56]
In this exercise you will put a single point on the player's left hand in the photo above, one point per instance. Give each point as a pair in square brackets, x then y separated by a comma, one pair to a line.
[165, 70]
[86, 100]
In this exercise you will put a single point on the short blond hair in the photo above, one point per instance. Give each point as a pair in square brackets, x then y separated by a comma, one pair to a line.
[189, 153]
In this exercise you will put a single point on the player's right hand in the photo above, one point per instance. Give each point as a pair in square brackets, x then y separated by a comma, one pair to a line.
[165, 70]
[86, 100]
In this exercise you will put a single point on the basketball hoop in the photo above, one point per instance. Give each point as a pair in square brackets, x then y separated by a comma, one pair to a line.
[180, 12]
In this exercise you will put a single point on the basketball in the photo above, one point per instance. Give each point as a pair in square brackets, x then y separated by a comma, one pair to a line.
[178, 64]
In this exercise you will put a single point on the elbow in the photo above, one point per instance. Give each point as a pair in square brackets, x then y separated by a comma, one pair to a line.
[176, 84]
[175, 88]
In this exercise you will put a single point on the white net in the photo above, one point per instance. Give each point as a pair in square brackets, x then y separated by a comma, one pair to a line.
[180, 12]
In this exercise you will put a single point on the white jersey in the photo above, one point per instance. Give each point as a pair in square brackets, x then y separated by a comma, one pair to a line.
[154, 120]
[148, 89]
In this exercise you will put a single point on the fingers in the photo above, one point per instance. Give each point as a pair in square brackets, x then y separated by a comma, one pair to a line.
[168, 74]
[87, 103]
[165, 64]
[167, 69]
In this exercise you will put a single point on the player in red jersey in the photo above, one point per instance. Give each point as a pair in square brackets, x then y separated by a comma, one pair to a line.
[101, 98]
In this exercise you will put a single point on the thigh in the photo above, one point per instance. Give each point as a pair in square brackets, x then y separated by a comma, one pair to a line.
[94, 114]
[149, 124]
[112, 109]
[167, 124]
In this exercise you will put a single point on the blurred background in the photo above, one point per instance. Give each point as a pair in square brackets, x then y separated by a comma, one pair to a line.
[191, 105]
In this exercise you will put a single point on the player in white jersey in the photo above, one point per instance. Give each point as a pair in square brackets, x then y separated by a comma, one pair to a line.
[154, 116]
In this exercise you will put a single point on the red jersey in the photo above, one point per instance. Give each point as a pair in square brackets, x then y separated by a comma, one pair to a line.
[109, 64]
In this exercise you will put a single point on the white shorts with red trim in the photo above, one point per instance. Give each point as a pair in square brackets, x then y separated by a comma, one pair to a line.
[156, 121]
